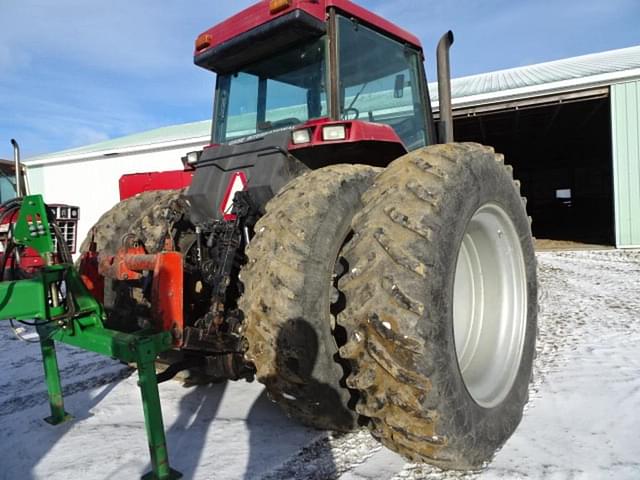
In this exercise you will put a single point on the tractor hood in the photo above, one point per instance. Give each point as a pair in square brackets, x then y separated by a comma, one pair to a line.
[261, 165]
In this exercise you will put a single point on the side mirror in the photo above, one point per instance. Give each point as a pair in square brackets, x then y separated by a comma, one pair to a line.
[398, 89]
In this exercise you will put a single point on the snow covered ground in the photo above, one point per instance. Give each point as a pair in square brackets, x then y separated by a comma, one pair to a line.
[582, 422]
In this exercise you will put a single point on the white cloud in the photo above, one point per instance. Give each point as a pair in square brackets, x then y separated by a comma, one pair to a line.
[492, 34]
[69, 68]
[11, 60]
[87, 136]
[142, 36]
[74, 69]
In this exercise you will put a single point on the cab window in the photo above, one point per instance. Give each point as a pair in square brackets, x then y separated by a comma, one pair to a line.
[380, 82]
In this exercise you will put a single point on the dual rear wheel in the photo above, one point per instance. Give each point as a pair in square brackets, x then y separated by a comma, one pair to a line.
[432, 266]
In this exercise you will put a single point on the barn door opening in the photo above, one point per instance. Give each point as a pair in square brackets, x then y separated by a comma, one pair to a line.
[561, 153]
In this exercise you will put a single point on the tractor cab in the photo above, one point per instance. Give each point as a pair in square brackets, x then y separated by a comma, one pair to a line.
[294, 65]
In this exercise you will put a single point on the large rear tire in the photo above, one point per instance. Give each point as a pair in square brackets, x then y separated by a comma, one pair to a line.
[290, 294]
[442, 305]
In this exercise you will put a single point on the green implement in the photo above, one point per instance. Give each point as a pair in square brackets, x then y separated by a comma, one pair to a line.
[64, 311]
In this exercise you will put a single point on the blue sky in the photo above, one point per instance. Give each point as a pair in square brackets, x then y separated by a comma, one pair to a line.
[74, 72]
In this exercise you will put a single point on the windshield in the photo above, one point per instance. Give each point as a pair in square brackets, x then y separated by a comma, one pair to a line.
[279, 92]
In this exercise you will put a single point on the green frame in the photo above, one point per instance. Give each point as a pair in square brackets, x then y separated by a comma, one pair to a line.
[80, 323]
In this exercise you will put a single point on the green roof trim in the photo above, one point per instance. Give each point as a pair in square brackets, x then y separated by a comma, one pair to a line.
[149, 137]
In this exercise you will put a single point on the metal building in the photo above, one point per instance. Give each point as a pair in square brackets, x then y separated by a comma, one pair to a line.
[570, 128]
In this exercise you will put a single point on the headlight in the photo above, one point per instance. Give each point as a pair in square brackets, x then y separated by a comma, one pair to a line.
[301, 136]
[64, 212]
[74, 213]
[334, 132]
[193, 157]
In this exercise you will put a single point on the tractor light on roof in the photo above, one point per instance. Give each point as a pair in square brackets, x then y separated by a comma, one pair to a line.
[276, 6]
[298, 137]
[203, 41]
[334, 132]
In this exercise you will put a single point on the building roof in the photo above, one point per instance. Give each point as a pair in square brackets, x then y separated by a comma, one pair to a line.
[182, 134]
[583, 72]
[538, 80]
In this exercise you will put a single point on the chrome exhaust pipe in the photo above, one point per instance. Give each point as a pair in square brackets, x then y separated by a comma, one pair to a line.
[18, 167]
[445, 125]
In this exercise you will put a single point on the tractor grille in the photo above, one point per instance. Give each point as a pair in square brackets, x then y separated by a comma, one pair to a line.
[67, 218]
[68, 230]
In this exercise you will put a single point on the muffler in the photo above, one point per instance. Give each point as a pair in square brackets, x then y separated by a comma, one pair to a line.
[445, 125]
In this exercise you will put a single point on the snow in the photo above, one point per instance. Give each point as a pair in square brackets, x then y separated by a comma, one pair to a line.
[582, 421]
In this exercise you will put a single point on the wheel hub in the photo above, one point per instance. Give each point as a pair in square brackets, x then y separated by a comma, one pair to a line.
[489, 305]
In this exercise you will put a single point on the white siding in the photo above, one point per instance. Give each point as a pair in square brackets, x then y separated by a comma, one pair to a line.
[92, 184]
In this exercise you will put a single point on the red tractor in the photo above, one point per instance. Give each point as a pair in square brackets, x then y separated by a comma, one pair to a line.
[333, 242]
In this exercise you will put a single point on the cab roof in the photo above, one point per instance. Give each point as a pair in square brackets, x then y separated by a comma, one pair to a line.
[259, 14]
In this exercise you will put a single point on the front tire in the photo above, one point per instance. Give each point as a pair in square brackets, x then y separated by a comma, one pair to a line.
[442, 305]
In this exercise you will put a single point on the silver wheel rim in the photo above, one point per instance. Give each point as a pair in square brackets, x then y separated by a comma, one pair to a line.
[489, 305]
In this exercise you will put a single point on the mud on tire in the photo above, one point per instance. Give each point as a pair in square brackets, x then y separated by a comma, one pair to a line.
[405, 349]
[290, 295]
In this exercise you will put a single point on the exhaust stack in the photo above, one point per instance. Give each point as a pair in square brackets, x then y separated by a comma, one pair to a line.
[445, 126]
[16, 160]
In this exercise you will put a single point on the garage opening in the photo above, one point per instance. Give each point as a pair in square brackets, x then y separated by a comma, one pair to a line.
[561, 153]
